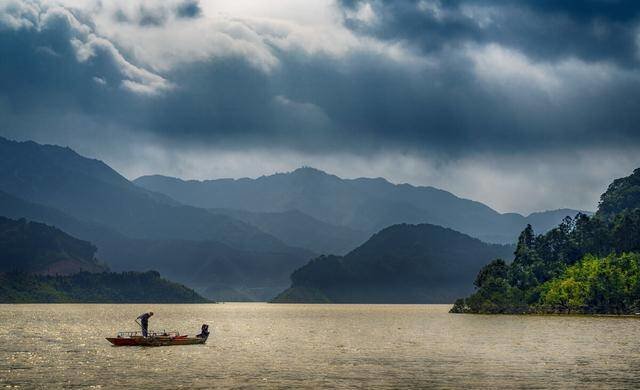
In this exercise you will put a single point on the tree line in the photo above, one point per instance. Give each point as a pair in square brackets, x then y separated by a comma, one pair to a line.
[585, 265]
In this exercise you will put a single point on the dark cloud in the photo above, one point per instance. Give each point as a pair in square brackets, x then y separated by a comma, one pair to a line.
[592, 30]
[514, 87]
[189, 9]
[158, 14]
[362, 102]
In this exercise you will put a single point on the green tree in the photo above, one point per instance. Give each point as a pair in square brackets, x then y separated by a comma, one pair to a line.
[496, 269]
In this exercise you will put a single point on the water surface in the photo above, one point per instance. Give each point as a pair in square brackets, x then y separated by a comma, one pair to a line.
[311, 346]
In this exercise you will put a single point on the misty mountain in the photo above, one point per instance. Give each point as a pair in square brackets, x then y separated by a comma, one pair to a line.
[295, 228]
[91, 191]
[41, 263]
[219, 271]
[32, 247]
[400, 264]
[14, 207]
[138, 229]
[362, 204]
[215, 269]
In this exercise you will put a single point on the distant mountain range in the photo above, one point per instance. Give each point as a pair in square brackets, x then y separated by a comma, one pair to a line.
[400, 264]
[362, 205]
[298, 229]
[229, 239]
[136, 229]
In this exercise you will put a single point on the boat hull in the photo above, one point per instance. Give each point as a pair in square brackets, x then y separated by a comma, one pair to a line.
[154, 341]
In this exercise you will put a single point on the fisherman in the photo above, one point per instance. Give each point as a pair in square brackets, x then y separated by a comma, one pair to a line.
[204, 333]
[144, 322]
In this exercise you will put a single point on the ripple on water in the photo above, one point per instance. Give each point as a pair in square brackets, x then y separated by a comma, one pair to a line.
[310, 346]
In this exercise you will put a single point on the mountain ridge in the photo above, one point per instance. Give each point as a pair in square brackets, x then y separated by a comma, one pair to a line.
[53, 184]
[364, 204]
[296, 228]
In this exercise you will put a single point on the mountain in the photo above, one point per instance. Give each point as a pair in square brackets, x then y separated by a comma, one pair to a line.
[33, 247]
[363, 204]
[585, 265]
[221, 272]
[86, 197]
[104, 287]
[295, 228]
[91, 191]
[16, 208]
[400, 264]
[41, 263]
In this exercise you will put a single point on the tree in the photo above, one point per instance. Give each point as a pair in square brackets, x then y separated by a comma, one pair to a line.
[626, 231]
[496, 269]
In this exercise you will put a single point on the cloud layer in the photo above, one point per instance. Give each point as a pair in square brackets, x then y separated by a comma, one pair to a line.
[455, 86]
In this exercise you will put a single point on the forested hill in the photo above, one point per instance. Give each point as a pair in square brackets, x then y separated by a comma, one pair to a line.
[585, 265]
[40, 263]
[400, 264]
[104, 287]
[33, 247]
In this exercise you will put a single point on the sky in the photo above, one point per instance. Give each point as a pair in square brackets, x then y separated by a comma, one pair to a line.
[522, 105]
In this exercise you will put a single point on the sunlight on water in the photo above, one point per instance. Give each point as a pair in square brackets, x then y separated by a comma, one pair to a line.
[267, 345]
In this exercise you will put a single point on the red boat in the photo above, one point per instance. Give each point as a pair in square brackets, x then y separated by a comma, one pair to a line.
[158, 338]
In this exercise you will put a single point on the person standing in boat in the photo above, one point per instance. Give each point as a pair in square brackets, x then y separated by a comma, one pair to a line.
[144, 322]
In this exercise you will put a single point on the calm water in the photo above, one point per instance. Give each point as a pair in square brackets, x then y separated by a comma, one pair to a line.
[266, 345]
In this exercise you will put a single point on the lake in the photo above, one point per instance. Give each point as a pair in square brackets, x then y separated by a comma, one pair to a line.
[310, 346]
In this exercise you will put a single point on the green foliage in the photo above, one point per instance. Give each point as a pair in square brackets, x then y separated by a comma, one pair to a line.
[623, 194]
[497, 269]
[585, 265]
[626, 230]
[105, 287]
[599, 285]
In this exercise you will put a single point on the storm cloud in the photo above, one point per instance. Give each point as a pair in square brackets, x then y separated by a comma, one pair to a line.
[547, 30]
[438, 85]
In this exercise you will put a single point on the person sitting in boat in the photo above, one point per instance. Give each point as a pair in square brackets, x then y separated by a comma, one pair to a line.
[144, 322]
[204, 332]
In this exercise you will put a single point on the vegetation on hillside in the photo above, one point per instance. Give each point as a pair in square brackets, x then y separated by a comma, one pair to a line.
[585, 265]
[400, 264]
[104, 287]
[41, 263]
[33, 247]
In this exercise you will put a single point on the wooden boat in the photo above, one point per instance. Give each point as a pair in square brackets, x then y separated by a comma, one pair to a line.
[157, 338]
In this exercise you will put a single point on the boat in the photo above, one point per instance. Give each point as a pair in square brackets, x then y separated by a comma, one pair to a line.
[158, 338]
